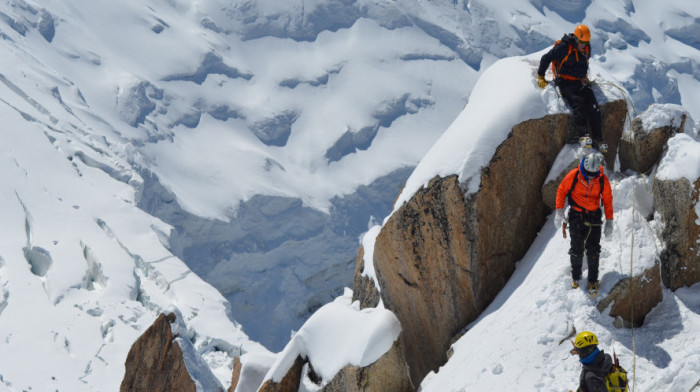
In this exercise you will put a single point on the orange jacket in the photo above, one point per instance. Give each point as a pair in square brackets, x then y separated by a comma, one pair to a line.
[586, 193]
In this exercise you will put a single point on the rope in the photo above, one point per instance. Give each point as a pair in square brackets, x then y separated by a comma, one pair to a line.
[632, 302]
[630, 103]
[697, 384]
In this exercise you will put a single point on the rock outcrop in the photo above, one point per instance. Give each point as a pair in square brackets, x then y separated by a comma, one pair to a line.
[441, 259]
[633, 298]
[674, 201]
[155, 362]
[641, 149]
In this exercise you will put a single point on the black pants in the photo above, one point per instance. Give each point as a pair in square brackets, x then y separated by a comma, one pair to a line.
[584, 229]
[584, 105]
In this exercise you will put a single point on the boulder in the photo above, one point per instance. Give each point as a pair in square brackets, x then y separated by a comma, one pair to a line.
[633, 298]
[675, 201]
[640, 148]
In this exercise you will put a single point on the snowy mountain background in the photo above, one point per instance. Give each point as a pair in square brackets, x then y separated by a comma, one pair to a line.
[250, 142]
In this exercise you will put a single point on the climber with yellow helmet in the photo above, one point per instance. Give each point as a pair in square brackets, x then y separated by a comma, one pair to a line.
[596, 364]
[569, 59]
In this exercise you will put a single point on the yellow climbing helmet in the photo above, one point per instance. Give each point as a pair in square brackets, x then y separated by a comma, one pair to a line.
[582, 33]
[585, 339]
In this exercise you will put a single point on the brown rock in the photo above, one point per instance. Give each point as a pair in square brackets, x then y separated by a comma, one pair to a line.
[613, 115]
[642, 149]
[549, 189]
[633, 298]
[290, 382]
[236, 375]
[387, 374]
[680, 259]
[364, 289]
[155, 361]
[441, 259]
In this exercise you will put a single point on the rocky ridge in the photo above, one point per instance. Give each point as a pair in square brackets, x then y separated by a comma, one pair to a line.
[441, 258]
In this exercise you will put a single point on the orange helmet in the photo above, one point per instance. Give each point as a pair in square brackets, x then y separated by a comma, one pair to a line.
[582, 33]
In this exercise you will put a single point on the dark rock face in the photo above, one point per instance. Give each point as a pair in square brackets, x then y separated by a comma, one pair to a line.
[155, 362]
[642, 150]
[674, 201]
[633, 298]
[364, 288]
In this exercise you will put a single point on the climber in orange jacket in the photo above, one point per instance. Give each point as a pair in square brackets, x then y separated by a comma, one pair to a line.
[584, 188]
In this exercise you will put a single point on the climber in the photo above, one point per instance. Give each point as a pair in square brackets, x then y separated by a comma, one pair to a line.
[596, 364]
[583, 188]
[569, 58]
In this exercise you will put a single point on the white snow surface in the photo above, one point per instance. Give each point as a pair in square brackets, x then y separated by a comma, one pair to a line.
[337, 335]
[94, 91]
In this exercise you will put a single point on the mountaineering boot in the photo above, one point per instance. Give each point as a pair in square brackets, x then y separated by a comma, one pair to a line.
[586, 141]
[593, 288]
[599, 145]
[574, 284]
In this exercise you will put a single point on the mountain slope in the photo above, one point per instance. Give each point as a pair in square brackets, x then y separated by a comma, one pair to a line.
[138, 136]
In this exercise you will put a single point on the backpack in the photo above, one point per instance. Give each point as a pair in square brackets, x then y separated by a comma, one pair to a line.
[616, 380]
[573, 184]
[556, 65]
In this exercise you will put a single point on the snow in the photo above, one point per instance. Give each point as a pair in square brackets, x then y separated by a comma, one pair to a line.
[337, 335]
[657, 116]
[116, 93]
[681, 159]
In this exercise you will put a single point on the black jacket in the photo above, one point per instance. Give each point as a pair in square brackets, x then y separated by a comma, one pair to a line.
[593, 374]
[576, 64]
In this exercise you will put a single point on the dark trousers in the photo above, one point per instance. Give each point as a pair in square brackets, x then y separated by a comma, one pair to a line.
[584, 106]
[584, 229]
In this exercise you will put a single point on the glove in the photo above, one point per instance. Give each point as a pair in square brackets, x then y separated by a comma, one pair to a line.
[541, 82]
[559, 218]
[608, 228]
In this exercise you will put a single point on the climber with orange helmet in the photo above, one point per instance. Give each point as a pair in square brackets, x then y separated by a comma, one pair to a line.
[569, 59]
